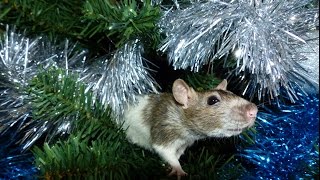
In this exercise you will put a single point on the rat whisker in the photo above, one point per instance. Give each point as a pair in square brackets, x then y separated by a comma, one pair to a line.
[262, 103]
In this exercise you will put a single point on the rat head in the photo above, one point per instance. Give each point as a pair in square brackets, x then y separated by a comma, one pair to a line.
[215, 113]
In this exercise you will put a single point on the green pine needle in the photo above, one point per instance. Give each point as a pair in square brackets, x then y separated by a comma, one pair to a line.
[46, 16]
[248, 136]
[126, 19]
[202, 81]
[76, 159]
[5, 12]
[312, 169]
[206, 162]
[95, 23]
[57, 96]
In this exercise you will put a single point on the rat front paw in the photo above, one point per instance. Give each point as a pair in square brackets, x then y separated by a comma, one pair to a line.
[178, 172]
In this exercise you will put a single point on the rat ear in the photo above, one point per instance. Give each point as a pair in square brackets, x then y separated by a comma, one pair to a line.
[222, 85]
[182, 93]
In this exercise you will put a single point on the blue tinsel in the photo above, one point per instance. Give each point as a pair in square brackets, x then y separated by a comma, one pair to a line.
[15, 164]
[286, 141]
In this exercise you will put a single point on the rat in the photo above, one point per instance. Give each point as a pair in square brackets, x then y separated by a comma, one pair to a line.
[168, 123]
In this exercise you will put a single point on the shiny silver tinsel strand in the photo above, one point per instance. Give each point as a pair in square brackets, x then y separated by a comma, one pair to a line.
[117, 81]
[20, 61]
[263, 35]
[311, 52]
[175, 4]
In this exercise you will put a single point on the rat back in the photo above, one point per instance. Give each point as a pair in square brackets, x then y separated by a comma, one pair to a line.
[135, 125]
[157, 119]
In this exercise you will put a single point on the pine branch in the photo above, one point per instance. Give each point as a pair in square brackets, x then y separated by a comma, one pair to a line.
[126, 19]
[55, 93]
[45, 16]
[202, 81]
[77, 159]
[60, 103]
[211, 160]
[98, 24]
[312, 166]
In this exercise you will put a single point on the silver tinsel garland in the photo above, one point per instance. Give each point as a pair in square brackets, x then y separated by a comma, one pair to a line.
[21, 59]
[117, 81]
[311, 52]
[262, 35]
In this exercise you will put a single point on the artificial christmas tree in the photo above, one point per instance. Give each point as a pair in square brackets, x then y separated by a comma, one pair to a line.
[70, 68]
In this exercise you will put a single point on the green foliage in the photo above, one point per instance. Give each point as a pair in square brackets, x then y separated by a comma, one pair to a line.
[312, 166]
[114, 158]
[77, 159]
[202, 81]
[92, 22]
[248, 136]
[212, 159]
[58, 96]
[52, 17]
[126, 19]
[110, 157]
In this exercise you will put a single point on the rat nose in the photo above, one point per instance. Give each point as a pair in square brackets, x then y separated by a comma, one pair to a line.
[251, 111]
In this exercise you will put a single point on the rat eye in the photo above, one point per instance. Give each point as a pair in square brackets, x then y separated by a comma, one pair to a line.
[212, 100]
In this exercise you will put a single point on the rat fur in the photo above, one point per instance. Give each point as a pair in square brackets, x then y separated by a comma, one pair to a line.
[169, 123]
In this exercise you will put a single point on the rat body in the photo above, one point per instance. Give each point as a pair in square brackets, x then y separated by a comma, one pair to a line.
[169, 123]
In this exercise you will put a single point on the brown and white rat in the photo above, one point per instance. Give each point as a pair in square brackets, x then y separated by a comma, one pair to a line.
[169, 123]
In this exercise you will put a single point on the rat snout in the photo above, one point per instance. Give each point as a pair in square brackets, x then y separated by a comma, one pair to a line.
[251, 112]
